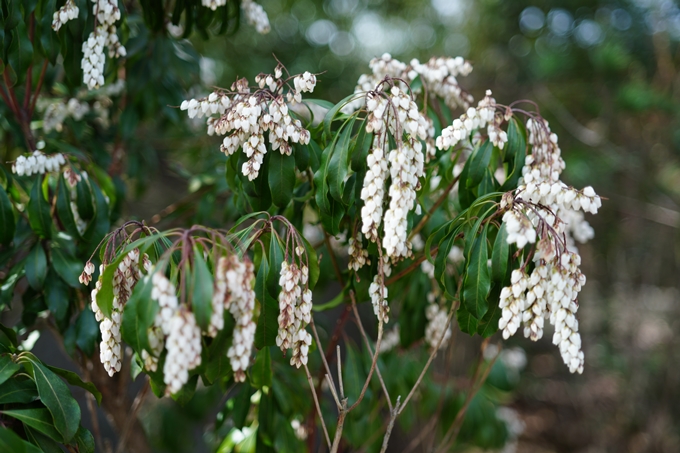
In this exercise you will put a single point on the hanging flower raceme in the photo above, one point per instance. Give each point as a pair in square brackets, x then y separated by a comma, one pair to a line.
[244, 116]
[295, 305]
[37, 163]
[107, 14]
[64, 14]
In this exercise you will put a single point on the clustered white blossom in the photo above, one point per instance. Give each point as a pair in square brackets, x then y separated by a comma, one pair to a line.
[37, 163]
[247, 115]
[72, 179]
[437, 325]
[472, 120]
[373, 191]
[104, 35]
[546, 211]
[295, 305]
[164, 293]
[240, 300]
[390, 340]
[184, 349]
[438, 75]
[57, 112]
[378, 291]
[256, 16]
[125, 277]
[213, 4]
[358, 256]
[64, 14]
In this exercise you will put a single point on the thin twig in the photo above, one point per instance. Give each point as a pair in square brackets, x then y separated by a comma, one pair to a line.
[36, 93]
[375, 358]
[368, 346]
[434, 207]
[331, 383]
[336, 268]
[340, 383]
[393, 417]
[318, 406]
[413, 266]
[136, 405]
[341, 424]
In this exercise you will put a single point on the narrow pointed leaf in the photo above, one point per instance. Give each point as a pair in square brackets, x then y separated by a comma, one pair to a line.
[138, 316]
[39, 419]
[39, 212]
[7, 367]
[7, 223]
[36, 267]
[261, 372]
[500, 255]
[281, 178]
[202, 290]
[477, 283]
[73, 379]
[11, 442]
[479, 162]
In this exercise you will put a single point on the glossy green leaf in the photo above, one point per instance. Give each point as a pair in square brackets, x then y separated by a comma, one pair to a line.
[7, 222]
[65, 265]
[201, 290]
[500, 255]
[138, 316]
[466, 322]
[7, 367]
[64, 208]
[273, 270]
[73, 379]
[36, 266]
[333, 112]
[488, 325]
[57, 296]
[42, 441]
[321, 181]
[56, 396]
[267, 323]
[18, 391]
[39, 419]
[261, 371]
[479, 162]
[10, 442]
[39, 212]
[515, 153]
[338, 165]
[84, 441]
[312, 263]
[477, 283]
[20, 53]
[218, 366]
[281, 178]
[87, 332]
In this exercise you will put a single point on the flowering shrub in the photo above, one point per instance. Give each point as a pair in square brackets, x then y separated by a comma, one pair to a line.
[405, 194]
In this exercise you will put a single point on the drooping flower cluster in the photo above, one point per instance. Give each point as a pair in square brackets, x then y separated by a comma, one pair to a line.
[437, 326]
[295, 305]
[545, 211]
[213, 4]
[473, 119]
[378, 291]
[246, 116]
[37, 163]
[107, 14]
[256, 16]
[57, 112]
[358, 256]
[184, 349]
[393, 113]
[64, 14]
[438, 75]
[240, 300]
[390, 340]
[125, 277]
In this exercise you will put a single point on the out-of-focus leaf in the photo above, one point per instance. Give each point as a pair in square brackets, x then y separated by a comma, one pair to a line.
[261, 372]
[87, 331]
[10, 442]
[39, 212]
[138, 316]
[7, 223]
[66, 265]
[36, 266]
[281, 178]
[202, 291]
[64, 209]
[57, 296]
[7, 367]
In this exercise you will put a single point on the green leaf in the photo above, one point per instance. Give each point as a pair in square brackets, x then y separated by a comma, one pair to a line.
[7, 223]
[56, 396]
[281, 178]
[57, 296]
[85, 199]
[138, 316]
[488, 325]
[261, 372]
[353, 372]
[466, 322]
[18, 391]
[48, 38]
[7, 367]
[332, 113]
[45, 443]
[65, 265]
[331, 219]
[218, 366]
[64, 208]
[85, 441]
[73, 379]
[477, 284]
[201, 290]
[36, 266]
[479, 162]
[515, 153]
[338, 166]
[10, 442]
[313, 263]
[321, 181]
[267, 323]
[500, 255]
[465, 195]
[337, 300]
[87, 331]
[273, 270]
[39, 212]
[20, 53]
[39, 419]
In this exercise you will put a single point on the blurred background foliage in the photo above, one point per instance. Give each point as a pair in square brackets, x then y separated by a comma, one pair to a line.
[605, 74]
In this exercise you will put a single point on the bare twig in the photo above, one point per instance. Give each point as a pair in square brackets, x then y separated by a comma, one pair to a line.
[368, 346]
[331, 383]
[413, 266]
[318, 406]
[393, 417]
[434, 207]
[136, 405]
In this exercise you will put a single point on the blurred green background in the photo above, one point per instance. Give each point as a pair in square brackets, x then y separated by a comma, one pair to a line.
[605, 74]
